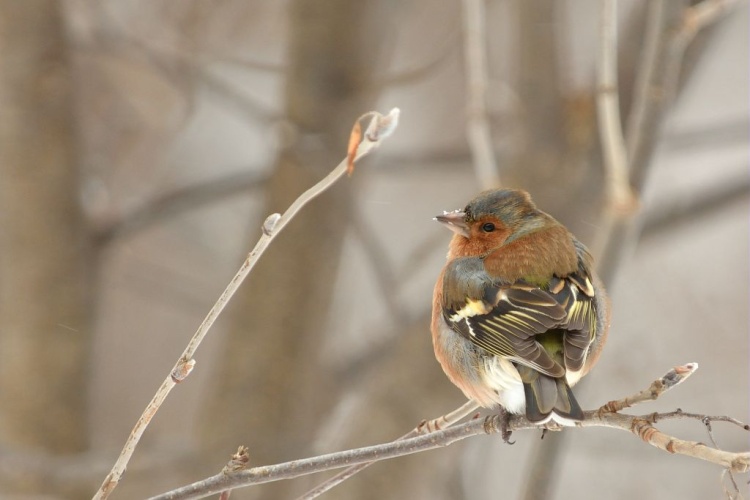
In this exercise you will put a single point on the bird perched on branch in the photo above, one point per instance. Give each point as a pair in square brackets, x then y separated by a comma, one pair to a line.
[519, 316]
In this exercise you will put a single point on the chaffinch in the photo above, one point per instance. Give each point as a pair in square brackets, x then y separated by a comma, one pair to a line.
[519, 316]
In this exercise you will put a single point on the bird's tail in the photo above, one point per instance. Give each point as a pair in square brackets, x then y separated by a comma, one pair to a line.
[548, 398]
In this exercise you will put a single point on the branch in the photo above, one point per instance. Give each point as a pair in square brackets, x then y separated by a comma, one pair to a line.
[380, 127]
[174, 203]
[702, 15]
[672, 378]
[670, 29]
[477, 126]
[608, 107]
[671, 26]
[620, 202]
[639, 425]
[423, 428]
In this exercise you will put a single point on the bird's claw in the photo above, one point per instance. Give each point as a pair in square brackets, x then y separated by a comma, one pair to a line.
[505, 432]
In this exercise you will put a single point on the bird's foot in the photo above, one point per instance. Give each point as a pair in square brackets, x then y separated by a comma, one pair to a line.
[505, 432]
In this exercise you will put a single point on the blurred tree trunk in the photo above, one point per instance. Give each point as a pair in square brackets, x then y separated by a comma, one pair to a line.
[558, 127]
[44, 320]
[271, 391]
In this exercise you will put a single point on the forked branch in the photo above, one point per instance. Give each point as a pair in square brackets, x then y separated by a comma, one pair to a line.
[380, 127]
[642, 426]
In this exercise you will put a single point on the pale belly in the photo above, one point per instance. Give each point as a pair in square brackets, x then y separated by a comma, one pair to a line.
[488, 380]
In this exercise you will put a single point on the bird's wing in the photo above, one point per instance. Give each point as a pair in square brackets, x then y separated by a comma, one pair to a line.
[576, 294]
[502, 318]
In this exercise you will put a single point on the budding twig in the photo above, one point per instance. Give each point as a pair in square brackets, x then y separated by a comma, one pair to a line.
[380, 127]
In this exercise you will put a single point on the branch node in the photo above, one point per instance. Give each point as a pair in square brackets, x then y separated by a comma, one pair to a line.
[657, 388]
[182, 370]
[670, 446]
[639, 425]
[186, 363]
[609, 407]
[490, 424]
[238, 461]
[270, 224]
[741, 465]
[643, 429]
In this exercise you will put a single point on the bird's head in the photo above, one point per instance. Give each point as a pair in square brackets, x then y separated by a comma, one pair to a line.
[491, 220]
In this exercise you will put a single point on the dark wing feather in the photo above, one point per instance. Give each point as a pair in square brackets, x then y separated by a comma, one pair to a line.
[577, 297]
[511, 327]
[503, 319]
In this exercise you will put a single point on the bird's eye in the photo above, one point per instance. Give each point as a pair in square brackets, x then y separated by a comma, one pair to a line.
[488, 227]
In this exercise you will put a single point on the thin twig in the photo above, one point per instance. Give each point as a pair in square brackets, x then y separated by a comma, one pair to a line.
[671, 26]
[639, 425]
[694, 19]
[423, 428]
[608, 107]
[727, 472]
[703, 14]
[477, 123]
[731, 495]
[621, 202]
[380, 127]
[672, 378]
[678, 414]
[176, 202]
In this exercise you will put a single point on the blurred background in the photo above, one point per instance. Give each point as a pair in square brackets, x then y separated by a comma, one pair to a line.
[142, 144]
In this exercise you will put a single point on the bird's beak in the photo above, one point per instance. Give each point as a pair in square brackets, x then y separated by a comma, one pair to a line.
[455, 221]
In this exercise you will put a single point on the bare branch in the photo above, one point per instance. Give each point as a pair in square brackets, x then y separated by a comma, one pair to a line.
[727, 472]
[671, 26]
[380, 127]
[608, 106]
[174, 203]
[423, 428]
[621, 202]
[477, 123]
[703, 14]
[639, 425]
[672, 378]
[670, 29]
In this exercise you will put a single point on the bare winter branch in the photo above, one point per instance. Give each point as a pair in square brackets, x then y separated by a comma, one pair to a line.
[424, 427]
[639, 425]
[477, 123]
[621, 202]
[672, 378]
[381, 126]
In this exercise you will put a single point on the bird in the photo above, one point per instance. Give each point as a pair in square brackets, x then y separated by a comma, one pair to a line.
[519, 315]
